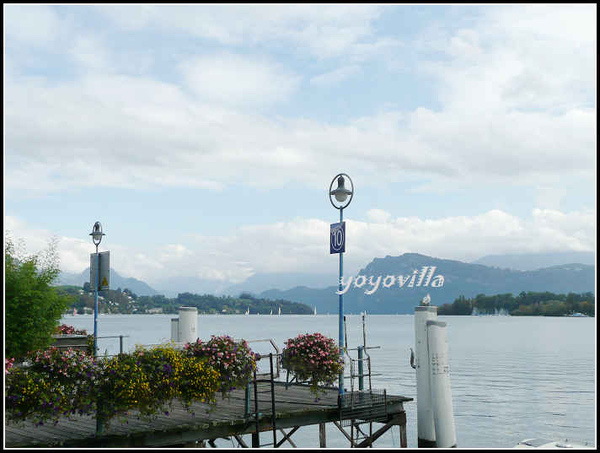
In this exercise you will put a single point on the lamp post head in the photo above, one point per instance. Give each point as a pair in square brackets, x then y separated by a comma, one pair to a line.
[342, 194]
[97, 233]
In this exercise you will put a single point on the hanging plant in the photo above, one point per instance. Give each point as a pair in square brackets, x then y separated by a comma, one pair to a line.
[50, 384]
[148, 380]
[234, 360]
[54, 383]
[313, 358]
[65, 329]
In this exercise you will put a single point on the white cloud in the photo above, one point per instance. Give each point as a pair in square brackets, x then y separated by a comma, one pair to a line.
[322, 30]
[73, 254]
[378, 215]
[90, 54]
[515, 105]
[34, 25]
[302, 245]
[232, 80]
[335, 76]
[521, 57]
[119, 131]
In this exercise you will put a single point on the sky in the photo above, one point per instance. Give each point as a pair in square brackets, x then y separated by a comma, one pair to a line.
[204, 138]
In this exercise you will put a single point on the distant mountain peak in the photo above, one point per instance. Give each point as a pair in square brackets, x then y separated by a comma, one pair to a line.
[532, 261]
[116, 281]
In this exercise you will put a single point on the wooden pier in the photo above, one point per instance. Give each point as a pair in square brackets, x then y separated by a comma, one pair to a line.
[294, 405]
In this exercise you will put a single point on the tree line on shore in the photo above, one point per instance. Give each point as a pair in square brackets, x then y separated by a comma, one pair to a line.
[124, 301]
[524, 304]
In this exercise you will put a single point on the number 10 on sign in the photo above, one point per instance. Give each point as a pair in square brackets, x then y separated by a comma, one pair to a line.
[337, 237]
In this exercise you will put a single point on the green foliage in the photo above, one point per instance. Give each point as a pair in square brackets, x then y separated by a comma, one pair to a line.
[525, 304]
[33, 307]
[313, 358]
[210, 304]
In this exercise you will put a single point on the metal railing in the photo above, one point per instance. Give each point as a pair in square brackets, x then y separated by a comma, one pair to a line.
[120, 337]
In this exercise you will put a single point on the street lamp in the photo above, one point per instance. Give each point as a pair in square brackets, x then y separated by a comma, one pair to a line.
[340, 197]
[96, 235]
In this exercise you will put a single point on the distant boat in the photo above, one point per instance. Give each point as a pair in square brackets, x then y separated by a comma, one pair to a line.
[279, 311]
[548, 443]
[315, 313]
[577, 315]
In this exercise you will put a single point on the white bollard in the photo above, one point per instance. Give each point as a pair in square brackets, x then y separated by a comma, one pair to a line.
[425, 423]
[441, 394]
[175, 330]
[188, 324]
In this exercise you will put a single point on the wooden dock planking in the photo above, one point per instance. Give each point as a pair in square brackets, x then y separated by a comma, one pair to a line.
[294, 405]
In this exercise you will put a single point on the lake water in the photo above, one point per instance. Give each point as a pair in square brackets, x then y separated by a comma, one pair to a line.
[512, 377]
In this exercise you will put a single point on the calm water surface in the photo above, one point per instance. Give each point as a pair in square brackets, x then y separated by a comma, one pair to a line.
[512, 377]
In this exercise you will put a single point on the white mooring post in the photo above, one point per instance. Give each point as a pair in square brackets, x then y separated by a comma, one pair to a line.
[175, 330]
[425, 423]
[439, 382]
[185, 328]
[435, 416]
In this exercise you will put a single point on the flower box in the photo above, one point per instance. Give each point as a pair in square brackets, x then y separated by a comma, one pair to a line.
[312, 358]
[77, 342]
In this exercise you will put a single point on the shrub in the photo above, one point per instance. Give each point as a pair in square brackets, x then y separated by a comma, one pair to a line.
[32, 306]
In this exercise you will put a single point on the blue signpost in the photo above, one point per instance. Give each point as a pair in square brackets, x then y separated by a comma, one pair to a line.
[340, 198]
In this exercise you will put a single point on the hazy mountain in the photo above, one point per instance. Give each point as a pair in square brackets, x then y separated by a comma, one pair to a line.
[459, 278]
[177, 285]
[116, 281]
[532, 261]
[282, 281]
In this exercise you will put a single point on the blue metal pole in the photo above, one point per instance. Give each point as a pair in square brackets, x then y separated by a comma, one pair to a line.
[96, 303]
[341, 312]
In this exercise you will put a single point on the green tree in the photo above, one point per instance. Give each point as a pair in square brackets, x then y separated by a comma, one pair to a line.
[33, 307]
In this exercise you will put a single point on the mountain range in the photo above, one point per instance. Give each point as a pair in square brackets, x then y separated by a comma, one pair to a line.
[443, 279]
